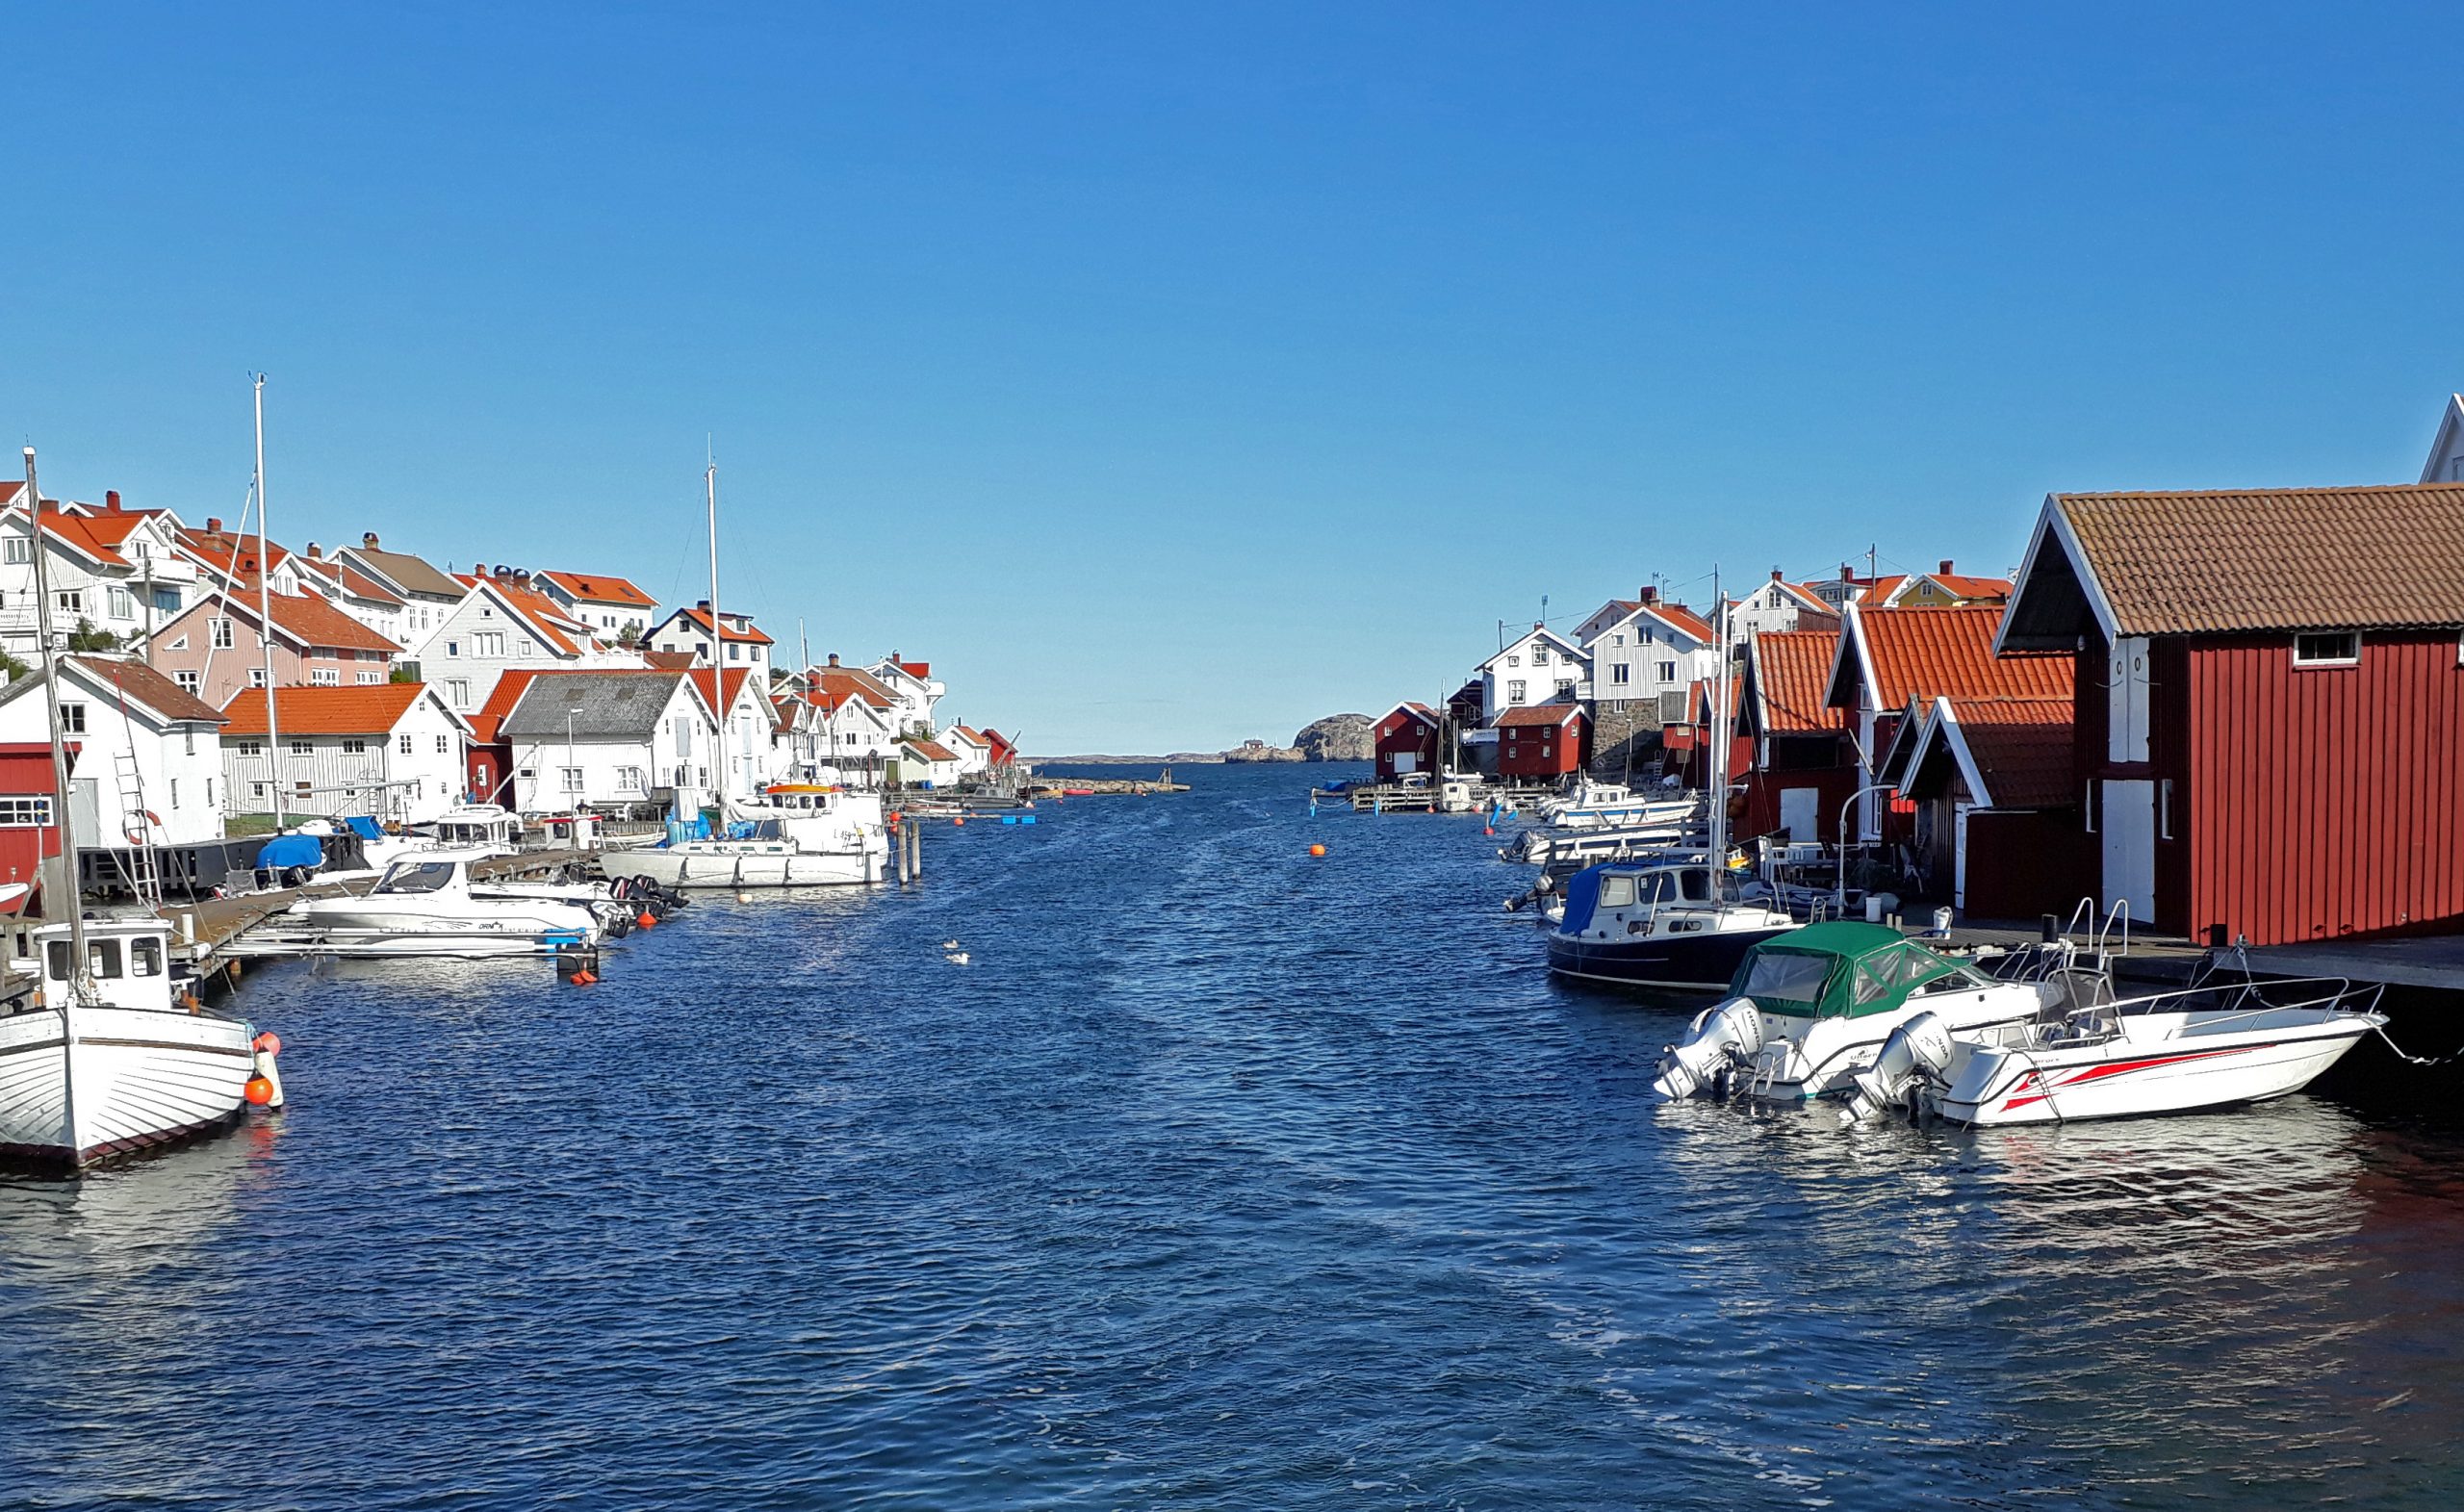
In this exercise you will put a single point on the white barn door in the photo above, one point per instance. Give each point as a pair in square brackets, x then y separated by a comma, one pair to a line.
[1801, 814]
[2129, 824]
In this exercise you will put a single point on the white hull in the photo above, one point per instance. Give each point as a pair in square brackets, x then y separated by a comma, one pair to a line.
[2160, 1063]
[1823, 1058]
[753, 865]
[140, 1077]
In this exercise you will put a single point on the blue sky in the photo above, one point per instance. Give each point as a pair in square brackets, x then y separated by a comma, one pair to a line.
[1169, 376]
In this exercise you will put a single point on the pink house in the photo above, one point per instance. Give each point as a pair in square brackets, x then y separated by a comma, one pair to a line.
[214, 649]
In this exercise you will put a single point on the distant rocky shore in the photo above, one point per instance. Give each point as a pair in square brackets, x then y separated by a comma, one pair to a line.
[1337, 737]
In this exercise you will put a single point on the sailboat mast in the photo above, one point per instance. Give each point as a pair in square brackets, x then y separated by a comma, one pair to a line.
[718, 664]
[1718, 732]
[62, 808]
[265, 613]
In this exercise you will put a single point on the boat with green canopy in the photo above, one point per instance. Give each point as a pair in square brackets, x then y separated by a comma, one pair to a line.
[1809, 1010]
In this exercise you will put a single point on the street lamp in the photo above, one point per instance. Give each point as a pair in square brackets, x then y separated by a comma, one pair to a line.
[1840, 885]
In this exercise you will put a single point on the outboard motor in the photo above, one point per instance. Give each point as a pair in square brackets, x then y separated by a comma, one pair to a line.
[1726, 1034]
[1918, 1048]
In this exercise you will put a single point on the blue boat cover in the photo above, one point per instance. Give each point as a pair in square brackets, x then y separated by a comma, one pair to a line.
[1583, 896]
[365, 827]
[292, 850]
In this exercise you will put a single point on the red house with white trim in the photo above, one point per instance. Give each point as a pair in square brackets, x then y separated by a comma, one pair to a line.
[1405, 737]
[1543, 741]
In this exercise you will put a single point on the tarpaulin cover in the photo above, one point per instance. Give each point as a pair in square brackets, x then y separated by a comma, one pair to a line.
[292, 850]
[366, 828]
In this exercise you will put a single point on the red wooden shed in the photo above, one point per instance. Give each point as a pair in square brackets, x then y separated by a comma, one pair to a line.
[1406, 737]
[1543, 740]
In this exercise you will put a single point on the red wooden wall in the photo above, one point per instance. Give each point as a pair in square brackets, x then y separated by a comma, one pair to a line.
[1400, 732]
[2321, 802]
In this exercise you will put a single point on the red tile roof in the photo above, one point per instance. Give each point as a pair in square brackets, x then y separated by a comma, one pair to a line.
[601, 590]
[226, 551]
[490, 719]
[1959, 585]
[727, 633]
[670, 661]
[2022, 749]
[1538, 714]
[718, 692]
[1684, 617]
[1929, 654]
[1791, 677]
[2272, 559]
[83, 535]
[842, 683]
[931, 750]
[146, 686]
[318, 623]
[372, 710]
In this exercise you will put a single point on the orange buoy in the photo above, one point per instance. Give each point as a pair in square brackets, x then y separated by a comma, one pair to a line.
[582, 978]
[1316, 850]
[260, 1091]
[266, 1040]
[960, 819]
[647, 920]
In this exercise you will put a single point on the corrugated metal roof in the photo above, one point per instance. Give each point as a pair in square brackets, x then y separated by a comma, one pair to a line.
[2375, 556]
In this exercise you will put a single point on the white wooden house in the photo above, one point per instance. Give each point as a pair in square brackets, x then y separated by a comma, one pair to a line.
[149, 757]
[114, 568]
[502, 624]
[427, 594]
[1777, 605]
[919, 762]
[392, 750]
[608, 606]
[1540, 666]
[687, 632]
[609, 740]
[1645, 650]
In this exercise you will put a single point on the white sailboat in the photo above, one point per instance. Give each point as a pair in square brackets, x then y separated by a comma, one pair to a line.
[798, 835]
[109, 1061]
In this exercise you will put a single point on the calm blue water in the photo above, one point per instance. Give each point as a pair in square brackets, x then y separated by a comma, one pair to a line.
[1219, 1177]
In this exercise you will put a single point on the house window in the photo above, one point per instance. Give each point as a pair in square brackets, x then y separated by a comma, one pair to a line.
[442, 747]
[405, 745]
[303, 747]
[1620, 674]
[256, 676]
[252, 748]
[2327, 649]
[17, 811]
[123, 603]
[256, 790]
[188, 681]
[735, 653]
[1539, 655]
[222, 635]
[1565, 687]
[372, 676]
[175, 792]
[20, 550]
[1668, 672]
[572, 779]
[488, 643]
[1514, 691]
[1618, 639]
[453, 647]
[1515, 661]
[458, 692]
[325, 677]
[72, 601]
[72, 718]
[354, 746]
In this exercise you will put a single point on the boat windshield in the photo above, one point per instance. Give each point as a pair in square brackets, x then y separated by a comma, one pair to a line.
[1780, 976]
[415, 876]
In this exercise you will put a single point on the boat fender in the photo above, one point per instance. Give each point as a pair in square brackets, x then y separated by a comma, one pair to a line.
[647, 919]
[265, 1086]
[1727, 1033]
[1916, 1050]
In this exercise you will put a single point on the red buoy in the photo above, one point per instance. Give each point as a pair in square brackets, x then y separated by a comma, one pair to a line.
[1316, 850]
[266, 1040]
[260, 1091]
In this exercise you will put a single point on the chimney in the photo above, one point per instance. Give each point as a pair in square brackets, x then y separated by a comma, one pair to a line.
[702, 605]
[110, 499]
[505, 574]
[214, 525]
[315, 554]
[1946, 565]
[834, 658]
[1775, 575]
[368, 542]
[1647, 594]
[1847, 574]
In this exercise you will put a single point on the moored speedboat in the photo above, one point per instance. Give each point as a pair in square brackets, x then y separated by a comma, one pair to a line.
[801, 835]
[1657, 924]
[1810, 1008]
[426, 904]
[2169, 1052]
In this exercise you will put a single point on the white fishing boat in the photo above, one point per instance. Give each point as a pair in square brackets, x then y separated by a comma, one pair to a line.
[1611, 805]
[1809, 1009]
[1619, 842]
[2167, 1051]
[1667, 923]
[112, 1061]
[429, 904]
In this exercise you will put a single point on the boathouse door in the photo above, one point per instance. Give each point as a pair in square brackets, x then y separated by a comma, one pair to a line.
[2129, 822]
[1959, 857]
[1801, 814]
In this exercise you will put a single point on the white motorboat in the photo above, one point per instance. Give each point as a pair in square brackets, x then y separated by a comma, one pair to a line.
[1668, 923]
[802, 834]
[2167, 1052]
[427, 903]
[1560, 847]
[1809, 1009]
[1598, 805]
[111, 1062]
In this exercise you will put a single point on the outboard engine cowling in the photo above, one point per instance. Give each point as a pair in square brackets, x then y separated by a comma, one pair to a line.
[1919, 1047]
[1724, 1031]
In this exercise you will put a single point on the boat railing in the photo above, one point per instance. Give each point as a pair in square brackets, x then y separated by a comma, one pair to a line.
[2336, 993]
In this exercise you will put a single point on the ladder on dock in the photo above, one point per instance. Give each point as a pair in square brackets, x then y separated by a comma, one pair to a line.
[145, 876]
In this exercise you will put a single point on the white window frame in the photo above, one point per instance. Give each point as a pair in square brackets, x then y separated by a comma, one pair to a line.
[223, 637]
[25, 811]
[2300, 661]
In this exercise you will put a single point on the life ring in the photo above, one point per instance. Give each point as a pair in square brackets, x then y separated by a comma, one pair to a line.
[136, 832]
